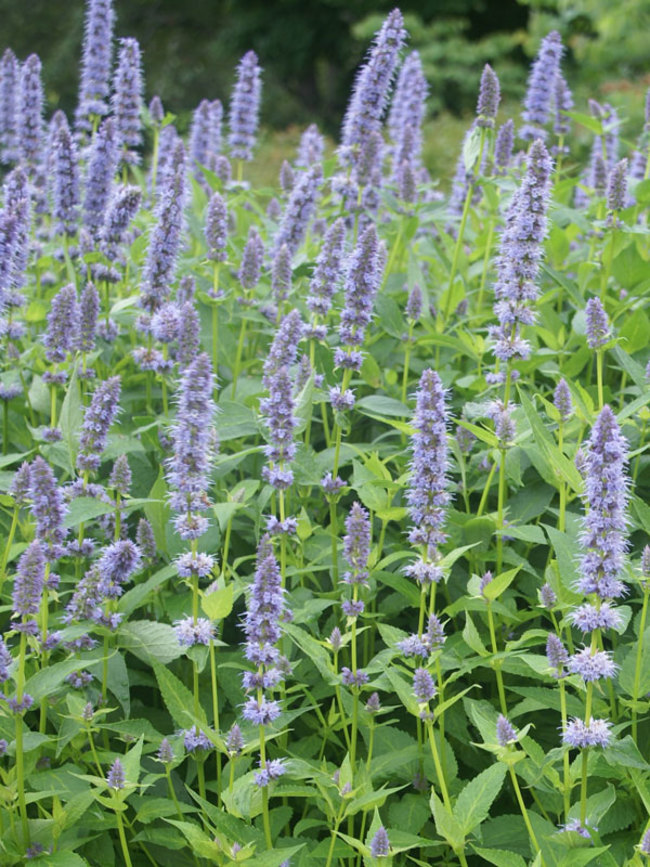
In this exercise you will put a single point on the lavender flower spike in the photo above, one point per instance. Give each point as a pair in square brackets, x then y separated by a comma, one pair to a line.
[245, 107]
[30, 115]
[356, 545]
[371, 88]
[520, 254]
[216, 228]
[127, 100]
[251, 262]
[603, 538]
[188, 468]
[380, 844]
[199, 147]
[102, 166]
[62, 323]
[265, 609]
[488, 98]
[284, 348]
[562, 400]
[596, 324]
[362, 282]
[66, 182]
[47, 507]
[505, 731]
[563, 103]
[9, 83]
[617, 186]
[311, 148]
[428, 494]
[299, 210]
[278, 411]
[541, 86]
[88, 310]
[29, 581]
[327, 273]
[97, 420]
[166, 238]
[96, 64]
[503, 147]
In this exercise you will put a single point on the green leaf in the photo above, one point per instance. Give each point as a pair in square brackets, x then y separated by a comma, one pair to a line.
[379, 405]
[218, 604]
[474, 802]
[447, 825]
[85, 509]
[179, 701]
[558, 462]
[496, 587]
[149, 640]
[47, 681]
[472, 638]
[500, 857]
[472, 149]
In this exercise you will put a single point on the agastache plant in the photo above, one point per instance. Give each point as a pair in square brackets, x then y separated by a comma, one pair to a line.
[541, 88]
[126, 101]
[9, 95]
[30, 117]
[244, 109]
[94, 84]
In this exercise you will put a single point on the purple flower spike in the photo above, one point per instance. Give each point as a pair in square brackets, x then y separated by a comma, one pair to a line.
[97, 421]
[505, 731]
[62, 323]
[563, 103]
[311, 148]
[164, 246]
[380, 844]
[277, 409]
[188, 336]
[156, 111]
[407, 113]
[122, 208]
[556, 653]
[541, 86]
[299, 210]
[30, 115]
[216, 228]
[88, 310]
[371, 88]
[520, 255]
[488, 98]
[362, 282]
[424, 688]
[356, 545]
[66, 182]
[428, 494]
[644, 845]
[606, 493]
[281, 274]
[562, 400]
[9, 86]
[265, 609]
[617, 187]
[596, 324]
[146, 539]
[189, 465]
[102, 166]
[127, 100]
[94, 85]
[503, 147]
[580, 735]
[251, 263]
[327, 273]
[115, 777]
[200, 133]
[245, 107]
[47, 507]
[29, 581]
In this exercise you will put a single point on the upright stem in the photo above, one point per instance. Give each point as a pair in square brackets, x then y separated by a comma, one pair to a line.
[20, 763]
[120, 831]
[497, 665]
[637, 666]
[522, 807]
[436, 761]
[215, 711]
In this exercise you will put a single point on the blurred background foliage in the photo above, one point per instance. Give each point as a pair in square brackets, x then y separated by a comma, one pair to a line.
[310, 51]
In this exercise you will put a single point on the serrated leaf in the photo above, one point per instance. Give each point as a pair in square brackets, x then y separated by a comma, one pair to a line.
[447, 825]
[218, 604]
[149, 640]
[474, 802]
[179, 701]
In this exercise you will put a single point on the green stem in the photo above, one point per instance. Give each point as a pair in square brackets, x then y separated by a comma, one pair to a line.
[20, 756]
[524, 811]
[497, 663]
[238, 357]
[7, 548]
[265, 794]
[436, 761]
[599, 377]
[337, 822]
[637, 666]
[566, 788]
[407, 357]
[585, 752]
[120, 831]
[215, 711]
